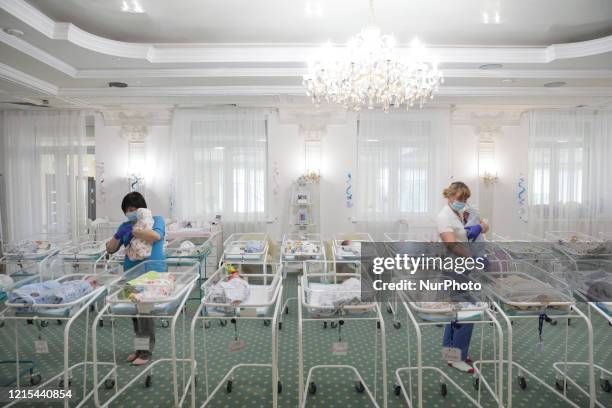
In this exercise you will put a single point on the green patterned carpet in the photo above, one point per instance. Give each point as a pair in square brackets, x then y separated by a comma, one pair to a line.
[335, 387]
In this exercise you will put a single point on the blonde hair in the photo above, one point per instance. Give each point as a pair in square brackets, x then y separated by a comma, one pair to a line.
[458, 188]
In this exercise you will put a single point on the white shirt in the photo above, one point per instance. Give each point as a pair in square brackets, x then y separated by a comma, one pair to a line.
[449, 221]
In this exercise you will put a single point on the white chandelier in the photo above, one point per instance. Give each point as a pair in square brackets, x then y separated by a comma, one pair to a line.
[371, 72]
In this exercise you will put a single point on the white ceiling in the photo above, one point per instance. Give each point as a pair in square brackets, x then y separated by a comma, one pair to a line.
[193, 52]
[456, 22]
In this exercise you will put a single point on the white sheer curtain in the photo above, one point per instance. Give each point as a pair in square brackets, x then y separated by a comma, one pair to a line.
[220, 166]
[570, 172]
[46, 189]
[403, 165]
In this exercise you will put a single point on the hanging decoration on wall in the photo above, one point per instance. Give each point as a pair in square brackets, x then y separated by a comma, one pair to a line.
[101, 194]
[521, 197]
[275, 177]
[171, 194]
[349, 191]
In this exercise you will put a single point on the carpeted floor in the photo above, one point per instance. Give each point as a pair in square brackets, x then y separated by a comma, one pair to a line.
[335, 387]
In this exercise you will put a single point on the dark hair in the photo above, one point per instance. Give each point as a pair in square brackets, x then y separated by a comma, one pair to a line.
[133, 199]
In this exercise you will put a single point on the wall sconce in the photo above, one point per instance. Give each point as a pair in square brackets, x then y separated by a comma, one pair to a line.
[312, 148]
[486, 161]
[489, 179]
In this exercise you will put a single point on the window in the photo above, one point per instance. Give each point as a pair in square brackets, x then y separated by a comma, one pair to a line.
[401, 160]
[556, 173]
[229, 169]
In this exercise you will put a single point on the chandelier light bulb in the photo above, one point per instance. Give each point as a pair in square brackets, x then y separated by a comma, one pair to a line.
[370, 72]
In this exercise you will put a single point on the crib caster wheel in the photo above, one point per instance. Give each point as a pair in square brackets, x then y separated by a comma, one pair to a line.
[109, 383]
[101, 323]
[334, 325]
[223, 323]
[58, 322]
[286, 309]
[195, 380]
[2, 324]
[389, 309]
[359, 387]
[44, 323]
[560, 385]
[280, 325]
[476, 383]
[165, 323]
[443, 390]
[207, 325]
[35, 379]
[148, 381]
[397, 390]
[554, 322]
[325, 325]
[605, 385]
[312, 388]
[279, 387]
[266, 322]
[60, 384]
[229, 385]
[397, 325]
[522, 383]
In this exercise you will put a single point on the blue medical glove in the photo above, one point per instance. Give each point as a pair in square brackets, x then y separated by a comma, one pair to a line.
[473, 232]
[124, 230]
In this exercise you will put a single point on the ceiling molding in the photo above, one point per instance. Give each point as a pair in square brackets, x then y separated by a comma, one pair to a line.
[37, 53]
[487, 117]
[20, 78]
[29, 15]
[299, 72]
[178, 53]
[299, 90]
[137, 116]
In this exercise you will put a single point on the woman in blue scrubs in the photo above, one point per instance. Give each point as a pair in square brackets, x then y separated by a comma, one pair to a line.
[143, 327]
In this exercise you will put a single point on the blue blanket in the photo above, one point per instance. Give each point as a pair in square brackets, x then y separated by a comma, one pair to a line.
[50, 292]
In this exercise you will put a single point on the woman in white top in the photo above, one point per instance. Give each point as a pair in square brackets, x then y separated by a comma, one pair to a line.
[451, 227]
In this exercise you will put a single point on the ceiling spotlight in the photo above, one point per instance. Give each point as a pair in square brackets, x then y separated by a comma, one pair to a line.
[14, 32]
[131, 6]
[581, 106]
[507, 81]
[557, 84]
[117, 85]
[491, 66]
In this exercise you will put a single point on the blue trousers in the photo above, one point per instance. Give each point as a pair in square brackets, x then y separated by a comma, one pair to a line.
[458, 337]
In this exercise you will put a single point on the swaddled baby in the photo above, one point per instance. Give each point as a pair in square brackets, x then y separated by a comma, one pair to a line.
[151, 286]
[234, 290]
[140, 249]
[53, 292]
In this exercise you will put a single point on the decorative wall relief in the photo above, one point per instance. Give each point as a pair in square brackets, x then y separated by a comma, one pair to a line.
[101, 194]
[521, 195]
[275, 179]
[349, 191]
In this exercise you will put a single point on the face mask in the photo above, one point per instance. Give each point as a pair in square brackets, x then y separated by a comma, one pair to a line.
[458, 205]
[131, 216]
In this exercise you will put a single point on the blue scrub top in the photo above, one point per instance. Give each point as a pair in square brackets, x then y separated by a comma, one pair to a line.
[157, 250]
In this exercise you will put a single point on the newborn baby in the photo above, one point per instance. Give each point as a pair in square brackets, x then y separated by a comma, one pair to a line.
[139, 249]
[234, 290]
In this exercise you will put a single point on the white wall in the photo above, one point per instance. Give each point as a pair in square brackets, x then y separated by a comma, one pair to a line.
[112, 150]
[286, 154]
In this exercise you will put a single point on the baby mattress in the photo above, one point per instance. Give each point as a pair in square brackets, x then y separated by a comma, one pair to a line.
[427, 311]
[259, 294]
[238, 251]
[58, 312]
[159, 308]
[352, 251]
[322, 296]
